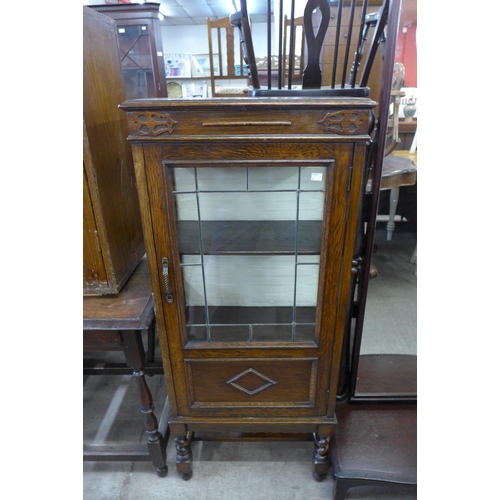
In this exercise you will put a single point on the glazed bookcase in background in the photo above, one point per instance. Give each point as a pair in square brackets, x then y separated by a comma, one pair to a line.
[141, 47]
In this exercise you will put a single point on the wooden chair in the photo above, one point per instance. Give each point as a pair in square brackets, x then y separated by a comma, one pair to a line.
[264, 68]
[292, 37]
[345, 67]
[224, 67]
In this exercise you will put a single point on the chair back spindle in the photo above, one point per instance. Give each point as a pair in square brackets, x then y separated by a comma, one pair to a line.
[337, 42]
[327, 43]
[363, 32]
[294, 73]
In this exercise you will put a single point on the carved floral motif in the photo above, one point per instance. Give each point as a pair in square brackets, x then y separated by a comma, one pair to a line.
[151, 123]
[345, 122]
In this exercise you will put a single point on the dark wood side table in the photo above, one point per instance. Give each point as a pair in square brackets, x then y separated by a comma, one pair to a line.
[116, 323]
[407, 132]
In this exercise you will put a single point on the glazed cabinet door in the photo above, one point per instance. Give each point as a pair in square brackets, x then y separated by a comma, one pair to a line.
[138, 59]
[253, 250]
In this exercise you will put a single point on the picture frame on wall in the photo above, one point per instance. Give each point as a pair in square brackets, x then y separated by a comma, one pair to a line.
[198, 90]
[177, 65]
[201, 65]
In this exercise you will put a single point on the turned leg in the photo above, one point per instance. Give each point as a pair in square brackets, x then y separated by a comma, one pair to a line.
[321, 457]
[394, 198]
[134, 354]
[183, 459]
[151, 342]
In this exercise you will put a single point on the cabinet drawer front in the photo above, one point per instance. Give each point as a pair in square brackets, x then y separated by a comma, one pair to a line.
[174, 122]
[275, 382]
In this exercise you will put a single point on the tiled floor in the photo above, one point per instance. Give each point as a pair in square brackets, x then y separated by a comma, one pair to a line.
[234, 470]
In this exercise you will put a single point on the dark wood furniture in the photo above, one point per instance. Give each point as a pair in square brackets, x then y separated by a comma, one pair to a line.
[342, 45]
[249, 209]
[407, 132]
[386, 377]
[356, 28]
[116, 323]
[113, 243]
[399, 169]
[141, 47]
[375, 444]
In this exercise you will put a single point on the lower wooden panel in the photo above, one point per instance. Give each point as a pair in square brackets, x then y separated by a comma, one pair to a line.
[218, 383]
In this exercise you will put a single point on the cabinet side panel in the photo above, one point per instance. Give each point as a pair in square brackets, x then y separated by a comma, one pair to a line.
[106, 128]
[356, 188]
[94, 272]
[154, 271]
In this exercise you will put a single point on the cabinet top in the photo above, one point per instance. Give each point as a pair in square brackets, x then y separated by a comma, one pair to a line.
[248, 103]
[131, 7]
[129, 11]
[263, 117]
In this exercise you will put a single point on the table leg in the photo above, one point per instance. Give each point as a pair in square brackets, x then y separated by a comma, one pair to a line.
[394, 195]
[134, 355]
[151, 342]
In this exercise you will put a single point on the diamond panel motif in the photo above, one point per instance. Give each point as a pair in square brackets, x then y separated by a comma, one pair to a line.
[248, 378]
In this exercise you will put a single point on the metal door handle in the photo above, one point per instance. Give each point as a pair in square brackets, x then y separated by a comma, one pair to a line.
[168, 292]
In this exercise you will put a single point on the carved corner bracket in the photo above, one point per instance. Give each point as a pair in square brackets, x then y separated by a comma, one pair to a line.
[152, 124]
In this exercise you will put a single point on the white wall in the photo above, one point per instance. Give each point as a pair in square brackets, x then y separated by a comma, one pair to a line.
[193, 39]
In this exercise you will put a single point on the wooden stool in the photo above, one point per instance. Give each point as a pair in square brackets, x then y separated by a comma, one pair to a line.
[374, 444]
[116, 323]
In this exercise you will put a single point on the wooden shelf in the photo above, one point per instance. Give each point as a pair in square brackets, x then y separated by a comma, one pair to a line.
[174, 78]
[386, 377]
[249, 237]
[407, 127]
[250, 315]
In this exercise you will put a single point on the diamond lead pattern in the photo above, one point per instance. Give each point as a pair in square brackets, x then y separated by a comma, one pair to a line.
[245, 381]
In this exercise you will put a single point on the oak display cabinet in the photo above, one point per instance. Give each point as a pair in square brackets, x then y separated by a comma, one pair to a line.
[249, 209]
